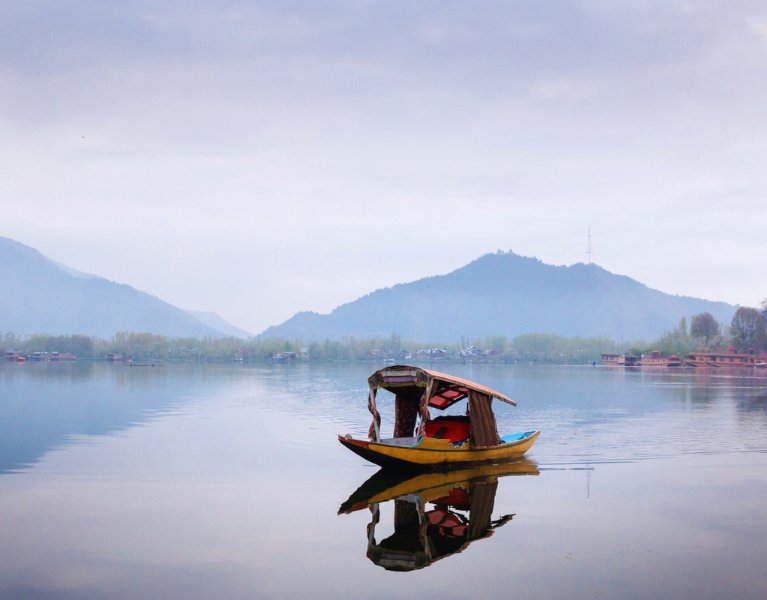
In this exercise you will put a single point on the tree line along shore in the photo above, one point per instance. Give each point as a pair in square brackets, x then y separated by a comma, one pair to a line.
[747, 332]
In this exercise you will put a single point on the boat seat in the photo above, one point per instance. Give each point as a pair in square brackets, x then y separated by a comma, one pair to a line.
[512, 437]
[453, 428]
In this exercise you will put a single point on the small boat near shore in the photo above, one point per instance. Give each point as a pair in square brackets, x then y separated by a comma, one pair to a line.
[444, 442]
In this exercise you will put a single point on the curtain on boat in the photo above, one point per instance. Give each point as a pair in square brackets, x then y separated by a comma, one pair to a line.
[374, 433]
[405, 413]
[484, 433]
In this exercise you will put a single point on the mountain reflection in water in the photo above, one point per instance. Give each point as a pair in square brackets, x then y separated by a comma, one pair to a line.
[44, 406]
[436, 514]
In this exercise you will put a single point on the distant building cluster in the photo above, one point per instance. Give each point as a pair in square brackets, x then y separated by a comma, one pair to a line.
[18, 356]
[434, 354]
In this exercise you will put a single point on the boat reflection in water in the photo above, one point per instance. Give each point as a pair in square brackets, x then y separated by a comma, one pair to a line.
[436, 514]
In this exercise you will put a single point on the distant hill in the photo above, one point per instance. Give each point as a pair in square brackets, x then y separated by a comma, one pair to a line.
[506, 294]
[38, 295]
[218, 323]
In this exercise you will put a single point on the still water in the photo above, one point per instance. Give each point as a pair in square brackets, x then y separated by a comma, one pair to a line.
[227, 482]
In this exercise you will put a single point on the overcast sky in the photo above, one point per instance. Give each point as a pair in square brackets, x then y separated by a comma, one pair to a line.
[260, 158]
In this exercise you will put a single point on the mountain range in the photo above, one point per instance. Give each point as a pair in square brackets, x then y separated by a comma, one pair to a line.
[38, 295]
[497, 294]
[506, 294]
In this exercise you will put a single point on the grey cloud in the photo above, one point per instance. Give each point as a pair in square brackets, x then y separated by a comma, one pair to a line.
[286, 126]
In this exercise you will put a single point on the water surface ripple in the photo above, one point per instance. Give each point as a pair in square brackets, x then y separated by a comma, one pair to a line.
[201, 481]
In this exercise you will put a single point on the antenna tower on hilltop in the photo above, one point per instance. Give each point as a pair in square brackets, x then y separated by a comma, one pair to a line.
[588, 249]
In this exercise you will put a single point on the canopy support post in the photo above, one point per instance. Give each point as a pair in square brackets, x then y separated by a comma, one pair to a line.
[374, 433]
[423, 407]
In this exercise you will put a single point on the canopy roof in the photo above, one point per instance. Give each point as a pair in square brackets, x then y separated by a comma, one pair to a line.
[447, 390]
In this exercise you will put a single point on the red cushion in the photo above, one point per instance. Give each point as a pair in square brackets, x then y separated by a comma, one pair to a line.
[455, 429]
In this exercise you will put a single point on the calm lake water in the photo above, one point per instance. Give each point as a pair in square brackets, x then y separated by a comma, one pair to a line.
[226, 482]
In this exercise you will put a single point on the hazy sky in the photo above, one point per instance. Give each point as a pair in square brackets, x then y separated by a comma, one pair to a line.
[260, 158]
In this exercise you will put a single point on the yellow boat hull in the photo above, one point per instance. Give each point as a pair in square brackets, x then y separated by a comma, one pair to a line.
[431, 453]
[387, 485]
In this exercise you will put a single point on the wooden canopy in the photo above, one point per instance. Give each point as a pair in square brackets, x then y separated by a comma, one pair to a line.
[416, 389]
[448, 389]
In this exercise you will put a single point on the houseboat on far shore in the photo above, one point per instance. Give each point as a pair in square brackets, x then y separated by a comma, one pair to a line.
[14, 356]
[620, 360]
[726, 360]
[700, 360]
[659, 359]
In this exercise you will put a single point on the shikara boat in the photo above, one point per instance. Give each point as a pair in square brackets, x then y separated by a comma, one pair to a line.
[444, 442]
[436, 513]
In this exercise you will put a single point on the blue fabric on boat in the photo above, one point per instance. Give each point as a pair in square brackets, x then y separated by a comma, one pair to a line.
[515, 436]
